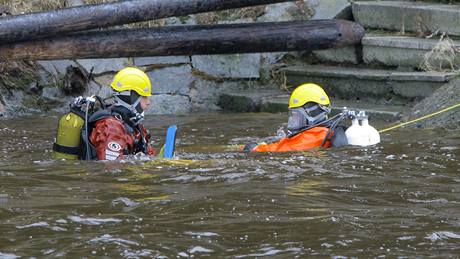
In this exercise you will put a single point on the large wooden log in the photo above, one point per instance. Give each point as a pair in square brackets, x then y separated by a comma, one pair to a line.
[46, 24]
[191, 40]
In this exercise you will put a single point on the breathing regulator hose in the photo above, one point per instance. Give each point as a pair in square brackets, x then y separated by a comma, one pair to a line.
[327, 122]
[90, 101]
[340, 117]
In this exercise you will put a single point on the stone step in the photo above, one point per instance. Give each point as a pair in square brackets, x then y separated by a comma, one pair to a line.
[403, 51]
[424, 18]
[387, 113]
[344, 55]
[395, 51]
[277, 101]
[376, 85]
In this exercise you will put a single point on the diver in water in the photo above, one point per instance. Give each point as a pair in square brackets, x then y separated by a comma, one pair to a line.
[308, 125]
[108, 132]
[118, 130]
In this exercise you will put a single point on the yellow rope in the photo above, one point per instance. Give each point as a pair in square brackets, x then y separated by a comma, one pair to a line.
[421, 118]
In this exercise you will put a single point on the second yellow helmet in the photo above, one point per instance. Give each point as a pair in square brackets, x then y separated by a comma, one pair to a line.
[308, 93]
[134, 79]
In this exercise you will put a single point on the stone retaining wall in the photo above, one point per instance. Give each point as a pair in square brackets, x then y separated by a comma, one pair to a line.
[182, 84]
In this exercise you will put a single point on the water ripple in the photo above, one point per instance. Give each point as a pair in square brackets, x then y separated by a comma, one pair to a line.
[93, 221]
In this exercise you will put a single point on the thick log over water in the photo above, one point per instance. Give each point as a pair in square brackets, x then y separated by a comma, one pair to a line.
[191, 40]
[46, 24]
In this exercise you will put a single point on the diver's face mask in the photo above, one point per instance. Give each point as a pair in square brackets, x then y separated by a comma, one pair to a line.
[132, 101]
[306, 116]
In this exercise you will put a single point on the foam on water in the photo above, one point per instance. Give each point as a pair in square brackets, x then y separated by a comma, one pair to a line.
[442, 235]
[93, 221]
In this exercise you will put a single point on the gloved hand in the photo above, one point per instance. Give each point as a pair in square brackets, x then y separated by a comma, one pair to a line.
[249, 147]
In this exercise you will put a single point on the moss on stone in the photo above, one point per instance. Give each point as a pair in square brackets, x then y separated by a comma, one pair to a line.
[233, 103]
[273, 107]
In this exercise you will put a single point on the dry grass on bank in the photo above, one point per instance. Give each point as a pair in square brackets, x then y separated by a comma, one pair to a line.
[443, 57]
[17, 74]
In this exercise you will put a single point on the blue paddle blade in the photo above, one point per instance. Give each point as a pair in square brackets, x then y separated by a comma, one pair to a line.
[170, 143]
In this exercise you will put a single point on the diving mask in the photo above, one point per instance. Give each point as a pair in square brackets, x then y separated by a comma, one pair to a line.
[306, 116]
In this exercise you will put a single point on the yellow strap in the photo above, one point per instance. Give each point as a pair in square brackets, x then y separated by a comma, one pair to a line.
[421, 118]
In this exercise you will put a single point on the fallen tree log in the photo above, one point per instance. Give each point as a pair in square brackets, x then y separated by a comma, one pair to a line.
[46, 24]
[191, 40]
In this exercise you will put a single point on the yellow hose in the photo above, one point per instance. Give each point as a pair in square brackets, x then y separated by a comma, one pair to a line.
[421, 118]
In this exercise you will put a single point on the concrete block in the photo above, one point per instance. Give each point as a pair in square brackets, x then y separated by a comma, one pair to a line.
[421, 17]
[330, 9]
[276, 103]
[418, 84]
[106, 65]
[401, 51]
[369, 84]
[205, 94]
[311, 9]
[169, 104]
[388, 113]
[95, 89]
[278, 13]
[268, 61]
[56, 67]
[236, 103]
[270, 58]
[339, 55]
[229, 66]
[146, 61]
[267, 100]
[101, 86]
[104, 80]
[171, 80]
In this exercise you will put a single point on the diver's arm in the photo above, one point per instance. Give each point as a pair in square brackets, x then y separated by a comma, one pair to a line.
[267, 147]
[249, 147]
[281, 133]
[339, 139]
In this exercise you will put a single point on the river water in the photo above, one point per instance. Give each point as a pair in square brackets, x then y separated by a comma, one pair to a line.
[400, 198]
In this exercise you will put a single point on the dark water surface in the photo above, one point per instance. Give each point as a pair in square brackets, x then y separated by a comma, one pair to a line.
[398, 199]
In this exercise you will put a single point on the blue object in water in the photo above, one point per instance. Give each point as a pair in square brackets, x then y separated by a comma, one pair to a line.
[170, 143]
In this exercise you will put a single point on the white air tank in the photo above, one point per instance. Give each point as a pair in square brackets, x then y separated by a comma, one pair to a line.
[360, 133]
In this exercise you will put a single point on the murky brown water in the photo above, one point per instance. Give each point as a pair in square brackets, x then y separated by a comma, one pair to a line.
[398, 199]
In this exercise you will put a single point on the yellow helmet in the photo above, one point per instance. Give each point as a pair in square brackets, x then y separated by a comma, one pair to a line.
[308, 93]
[134, 79]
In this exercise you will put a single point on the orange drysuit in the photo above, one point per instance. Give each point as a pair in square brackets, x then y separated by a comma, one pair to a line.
[308, 139]
[113, 139]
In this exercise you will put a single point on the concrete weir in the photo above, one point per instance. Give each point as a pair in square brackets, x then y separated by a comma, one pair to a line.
[420, 17]
[277, 101]
[385, 86]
